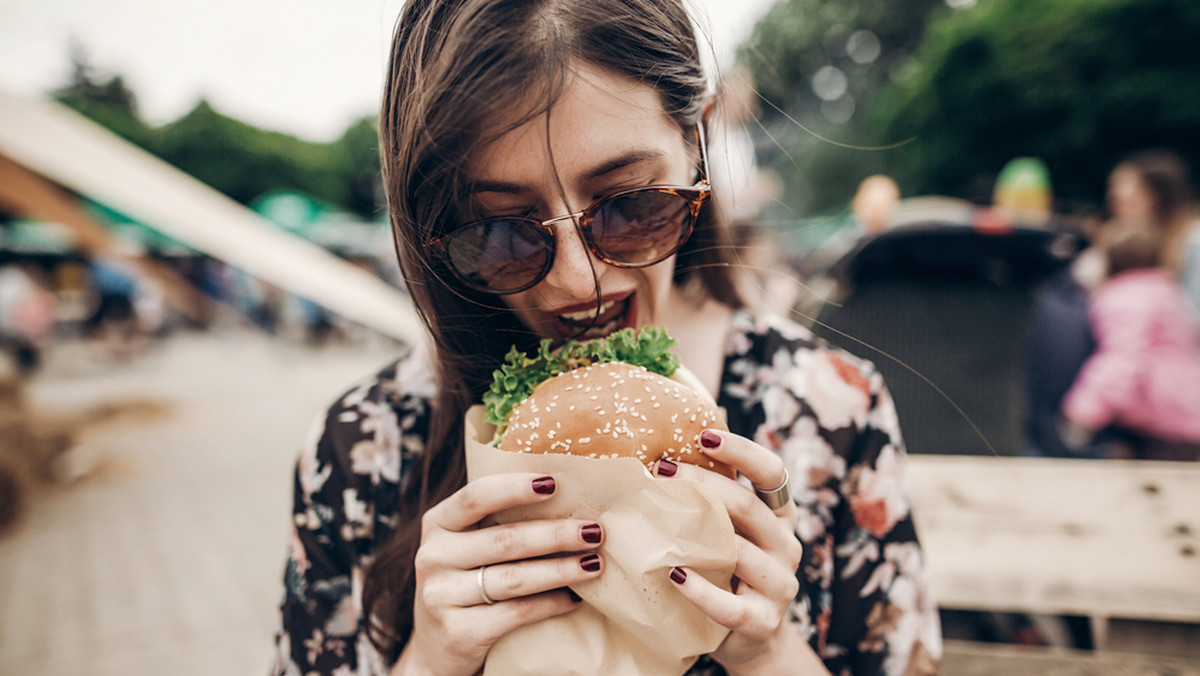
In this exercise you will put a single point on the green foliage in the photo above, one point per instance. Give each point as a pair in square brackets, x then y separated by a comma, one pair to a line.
[521, 374]
[822, 149]
[1077, 83]
[235, 158]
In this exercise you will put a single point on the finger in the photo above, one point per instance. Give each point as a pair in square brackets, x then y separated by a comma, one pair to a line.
[748, 614]
[487, 495]
[502, 618]
[762, 466]
[749, 515]
[509, 581]
[516, 541]
[765, 574]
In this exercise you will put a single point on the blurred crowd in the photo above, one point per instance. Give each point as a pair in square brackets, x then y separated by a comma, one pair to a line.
[123, 305]
[1112, 347]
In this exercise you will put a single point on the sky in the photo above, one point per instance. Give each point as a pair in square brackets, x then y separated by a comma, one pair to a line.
[304, 67]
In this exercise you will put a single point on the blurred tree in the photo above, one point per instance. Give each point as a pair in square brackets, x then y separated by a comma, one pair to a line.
[105, 99]
[1078, 83]
[239, 160]
[819, 66]
[357, 163]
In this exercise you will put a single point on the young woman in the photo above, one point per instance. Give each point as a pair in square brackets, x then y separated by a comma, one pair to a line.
[546, 175]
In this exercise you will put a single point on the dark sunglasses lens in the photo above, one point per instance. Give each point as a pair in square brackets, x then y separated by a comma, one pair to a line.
[641, 228]
[500, 255]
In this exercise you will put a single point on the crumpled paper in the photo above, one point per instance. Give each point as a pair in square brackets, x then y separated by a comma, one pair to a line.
[632, 619]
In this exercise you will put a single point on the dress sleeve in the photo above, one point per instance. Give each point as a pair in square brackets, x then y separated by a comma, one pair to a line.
[864, 601]
[345, 490]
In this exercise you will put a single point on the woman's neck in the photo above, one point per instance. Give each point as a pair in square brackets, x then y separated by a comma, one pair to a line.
[700, 326]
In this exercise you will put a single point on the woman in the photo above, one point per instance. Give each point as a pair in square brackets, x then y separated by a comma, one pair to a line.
[501, 123]
[1155, 186]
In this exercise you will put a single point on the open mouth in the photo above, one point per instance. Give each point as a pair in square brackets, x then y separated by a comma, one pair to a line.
[613, 315]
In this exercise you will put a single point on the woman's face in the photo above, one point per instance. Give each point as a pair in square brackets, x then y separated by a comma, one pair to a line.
[1128, 197]
[605, 133]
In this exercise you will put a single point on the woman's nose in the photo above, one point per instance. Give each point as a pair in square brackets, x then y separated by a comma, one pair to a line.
[572, 271]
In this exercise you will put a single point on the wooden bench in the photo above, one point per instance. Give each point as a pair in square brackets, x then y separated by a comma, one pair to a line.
[1104, 539]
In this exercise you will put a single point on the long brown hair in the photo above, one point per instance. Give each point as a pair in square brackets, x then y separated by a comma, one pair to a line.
[456, 67]
[1167, 178]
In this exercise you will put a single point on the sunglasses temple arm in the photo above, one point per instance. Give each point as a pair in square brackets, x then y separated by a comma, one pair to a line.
[700, 135]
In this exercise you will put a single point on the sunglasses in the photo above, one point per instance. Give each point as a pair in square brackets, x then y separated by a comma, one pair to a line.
[632, 228]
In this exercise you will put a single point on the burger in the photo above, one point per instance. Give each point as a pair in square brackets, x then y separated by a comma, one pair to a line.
[622, 396]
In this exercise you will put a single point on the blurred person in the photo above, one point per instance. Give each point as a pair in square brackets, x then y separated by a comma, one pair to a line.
[1023, 193]
[869, 214]
[1144, 377]
[27, 315]
[1155, 186]
[113, 323]
[875, 203]
[554, 122]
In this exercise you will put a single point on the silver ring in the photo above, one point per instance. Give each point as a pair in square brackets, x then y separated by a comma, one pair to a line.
[776, 497]
[482, 593]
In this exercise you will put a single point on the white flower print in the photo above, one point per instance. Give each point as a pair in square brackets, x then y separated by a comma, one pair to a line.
[370, 459]
[836, 396]
[312, 476]
[884, 417]
[416, 374]
[360, 520]
[811, 461]
[809, 525]
[858, 553]
[780, 409]
[877, 497]
[297, 553]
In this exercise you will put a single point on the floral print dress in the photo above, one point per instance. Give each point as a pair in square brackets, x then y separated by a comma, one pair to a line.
[863, 600]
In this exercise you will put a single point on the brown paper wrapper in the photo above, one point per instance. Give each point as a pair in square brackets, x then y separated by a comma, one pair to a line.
[632, 620]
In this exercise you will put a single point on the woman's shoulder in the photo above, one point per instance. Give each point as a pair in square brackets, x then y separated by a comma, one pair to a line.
[782, 368]
[779, 343]
[370, 434]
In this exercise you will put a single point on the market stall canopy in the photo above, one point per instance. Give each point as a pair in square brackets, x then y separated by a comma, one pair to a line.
[62, 146]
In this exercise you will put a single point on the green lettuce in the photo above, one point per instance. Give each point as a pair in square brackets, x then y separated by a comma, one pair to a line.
[516, 379]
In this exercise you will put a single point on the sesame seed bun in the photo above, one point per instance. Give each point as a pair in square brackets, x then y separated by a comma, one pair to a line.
[616, 410]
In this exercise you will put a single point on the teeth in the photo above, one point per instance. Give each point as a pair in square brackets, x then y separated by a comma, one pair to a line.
[588, 315]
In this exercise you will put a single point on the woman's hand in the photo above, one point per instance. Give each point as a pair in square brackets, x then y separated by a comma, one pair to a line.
[762, 640]
[460, 612]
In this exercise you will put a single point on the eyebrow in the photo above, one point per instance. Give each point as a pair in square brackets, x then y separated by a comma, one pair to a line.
[619, 162]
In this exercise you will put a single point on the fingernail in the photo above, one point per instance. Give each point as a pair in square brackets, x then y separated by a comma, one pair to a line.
[666, 468]
[710, 439]
[590, 563]
[544, 485]
[591, 533]
[678, 576]
[574, 597]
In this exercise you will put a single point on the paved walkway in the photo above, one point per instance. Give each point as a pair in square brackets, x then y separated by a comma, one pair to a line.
[166, 556]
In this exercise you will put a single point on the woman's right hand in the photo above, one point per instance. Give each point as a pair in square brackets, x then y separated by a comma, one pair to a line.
[528, 564]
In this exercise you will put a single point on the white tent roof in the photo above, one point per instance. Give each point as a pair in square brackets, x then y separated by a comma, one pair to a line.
[74, 152]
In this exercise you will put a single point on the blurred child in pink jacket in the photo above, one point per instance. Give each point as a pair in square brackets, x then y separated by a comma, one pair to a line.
[1144, 376]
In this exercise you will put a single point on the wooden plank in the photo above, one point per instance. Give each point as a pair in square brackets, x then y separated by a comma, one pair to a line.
[965, 658]
[1110, 538]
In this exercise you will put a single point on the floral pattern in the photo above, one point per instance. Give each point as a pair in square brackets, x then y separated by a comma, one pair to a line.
[863, 601]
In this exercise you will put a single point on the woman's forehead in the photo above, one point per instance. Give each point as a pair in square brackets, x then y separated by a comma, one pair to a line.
[598, 116]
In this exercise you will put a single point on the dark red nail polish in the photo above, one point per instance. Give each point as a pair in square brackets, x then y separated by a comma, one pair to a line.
[574, 597]
[591, 533]
[590, 563]
[710, 439]
[544, 485]
[678, 575]
[666, 468]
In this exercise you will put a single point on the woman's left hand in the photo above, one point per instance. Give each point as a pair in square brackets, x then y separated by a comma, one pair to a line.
[762, 640]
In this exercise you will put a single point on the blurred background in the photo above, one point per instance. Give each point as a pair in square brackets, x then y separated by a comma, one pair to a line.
[195, 259]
